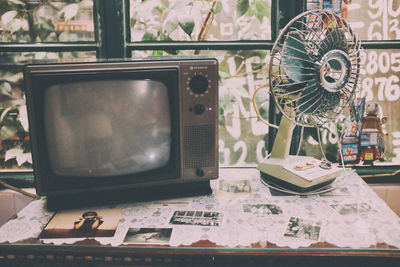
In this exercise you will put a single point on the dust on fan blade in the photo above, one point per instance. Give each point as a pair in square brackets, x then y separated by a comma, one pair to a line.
[316, 100]
[295, 60]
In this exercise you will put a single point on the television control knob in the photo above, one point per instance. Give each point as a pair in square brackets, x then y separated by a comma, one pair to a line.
[198, 84]
[199, 109]
[200, 172]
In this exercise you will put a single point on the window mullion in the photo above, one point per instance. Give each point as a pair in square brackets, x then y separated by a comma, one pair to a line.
[111, 28]
[389, 44]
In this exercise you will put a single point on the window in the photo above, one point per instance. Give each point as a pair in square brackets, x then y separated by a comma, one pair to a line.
[35, 30]
[183, 20]
[239, 33]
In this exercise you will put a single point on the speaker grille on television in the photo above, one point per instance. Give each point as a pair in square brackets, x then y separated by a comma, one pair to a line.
[199, 145]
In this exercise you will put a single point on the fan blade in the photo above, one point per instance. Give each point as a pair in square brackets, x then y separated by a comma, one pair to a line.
[307, 101]
[315, 100]
[295, 60]
[335, 39]
[295, 87]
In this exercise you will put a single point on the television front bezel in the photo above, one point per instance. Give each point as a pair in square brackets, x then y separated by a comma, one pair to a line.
[49, 183]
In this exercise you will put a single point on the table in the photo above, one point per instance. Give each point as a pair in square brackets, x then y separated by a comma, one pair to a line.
[242, 222]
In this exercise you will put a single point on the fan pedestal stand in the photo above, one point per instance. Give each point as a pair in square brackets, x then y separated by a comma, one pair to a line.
[296, 173]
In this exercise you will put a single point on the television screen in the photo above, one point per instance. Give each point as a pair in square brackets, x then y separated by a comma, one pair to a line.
[107, 127]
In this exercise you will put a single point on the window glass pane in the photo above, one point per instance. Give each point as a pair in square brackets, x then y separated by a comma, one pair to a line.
[375, 19]
[46, 21]
[372, 19]
[224, 20]
[14, 131]
[242, 137]
[380, 84]
[14, 128]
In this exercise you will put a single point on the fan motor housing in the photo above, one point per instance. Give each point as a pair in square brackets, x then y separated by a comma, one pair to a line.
[334, 70]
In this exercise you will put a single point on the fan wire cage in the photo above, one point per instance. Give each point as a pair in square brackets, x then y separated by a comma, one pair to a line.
[314, 68]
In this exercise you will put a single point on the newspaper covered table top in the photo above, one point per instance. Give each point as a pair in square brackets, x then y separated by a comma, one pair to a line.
[240, 212]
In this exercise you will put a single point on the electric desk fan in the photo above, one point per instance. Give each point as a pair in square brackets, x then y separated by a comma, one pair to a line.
[313, 75]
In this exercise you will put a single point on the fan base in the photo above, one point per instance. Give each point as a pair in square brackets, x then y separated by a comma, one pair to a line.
[292, 187]
[297, 173]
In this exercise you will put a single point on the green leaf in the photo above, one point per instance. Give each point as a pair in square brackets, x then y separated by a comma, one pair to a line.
[218, 8]
[172, 52]
[262, 10]
[149, 37]
[8, 16]
[47, 24]
[242, 7]
[23, 117]
[24, 157]
[16, 25]
[223, 69]
[12, 153]
[221, 121]
[157, 53]
[263, 112]
[86, 4]
[46, 27]
[170, 23]
[17, 2]
[252, 11]
[187, 25]
[42, 34]
[160, 9]
[220, 111]
[75, 54]
[165, 37]
[5, 89]
[14, 77]
[63, 37]
[70, 11]
[221, 117]
[257, 66]
[19, 155]
[6, 132]
[132, 22]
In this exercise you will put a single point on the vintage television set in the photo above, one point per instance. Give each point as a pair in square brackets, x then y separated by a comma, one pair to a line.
[109, 131]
